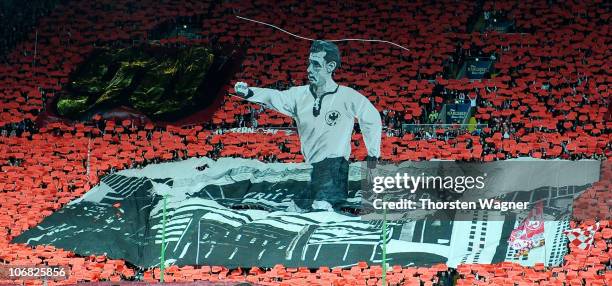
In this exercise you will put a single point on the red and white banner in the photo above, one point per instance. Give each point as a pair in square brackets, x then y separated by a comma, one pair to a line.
[530, 233]
[582, 238]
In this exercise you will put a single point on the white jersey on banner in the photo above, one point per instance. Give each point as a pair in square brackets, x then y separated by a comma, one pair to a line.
[325, 133]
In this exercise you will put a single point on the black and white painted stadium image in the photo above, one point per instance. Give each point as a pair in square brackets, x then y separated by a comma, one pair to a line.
[233, 213]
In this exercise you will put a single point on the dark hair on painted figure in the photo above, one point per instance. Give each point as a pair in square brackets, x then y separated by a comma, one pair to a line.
[332, 53]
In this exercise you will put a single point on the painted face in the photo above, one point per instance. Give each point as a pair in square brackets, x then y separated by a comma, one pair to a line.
[317, 73]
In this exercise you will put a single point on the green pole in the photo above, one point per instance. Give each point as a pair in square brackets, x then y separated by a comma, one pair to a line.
[384, 248]
[162, 263]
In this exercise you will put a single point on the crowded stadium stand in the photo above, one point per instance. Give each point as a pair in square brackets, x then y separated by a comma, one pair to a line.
[544, 93]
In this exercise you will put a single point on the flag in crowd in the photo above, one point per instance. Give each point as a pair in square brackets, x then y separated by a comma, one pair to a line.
[582, 238]
[530, 233]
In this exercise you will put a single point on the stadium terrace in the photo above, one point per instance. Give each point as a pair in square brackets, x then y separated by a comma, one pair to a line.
[190, 142]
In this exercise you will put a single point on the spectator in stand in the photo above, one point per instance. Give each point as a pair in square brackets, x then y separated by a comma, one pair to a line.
[433, 116]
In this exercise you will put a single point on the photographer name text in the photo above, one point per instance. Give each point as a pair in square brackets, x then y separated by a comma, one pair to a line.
[427, 204]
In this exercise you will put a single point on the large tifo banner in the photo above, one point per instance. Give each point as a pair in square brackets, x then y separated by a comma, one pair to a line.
[232, 212]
